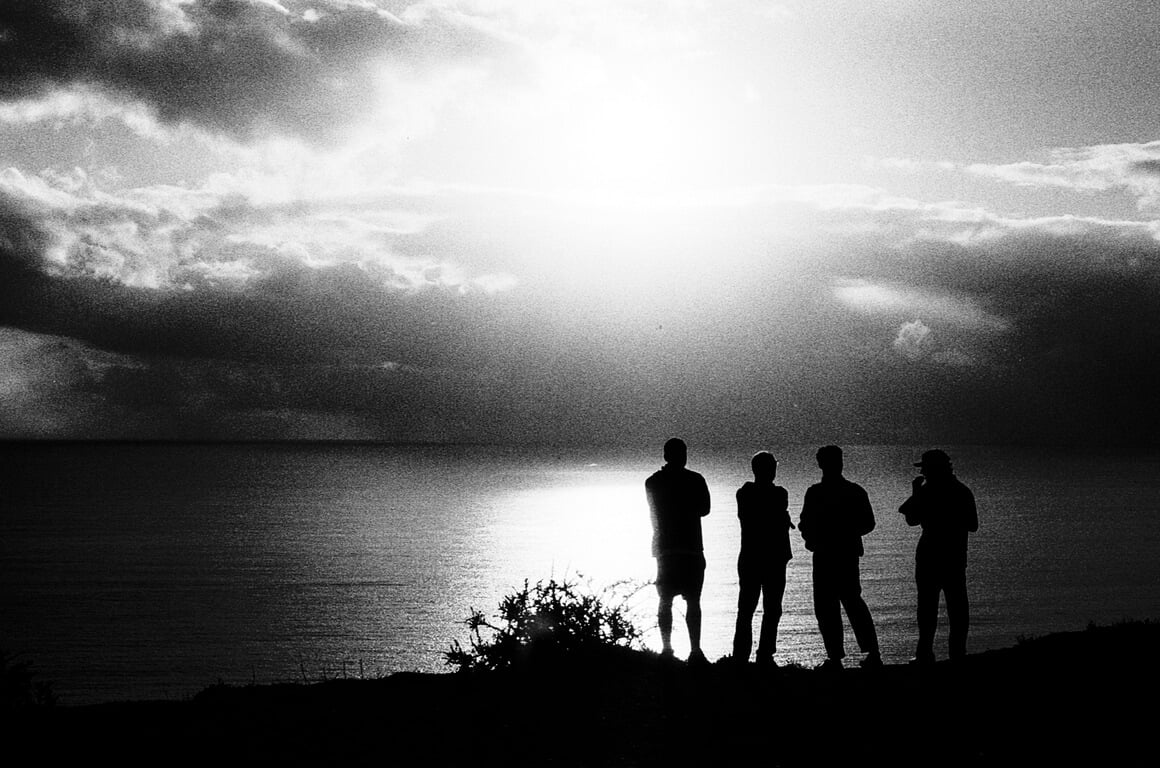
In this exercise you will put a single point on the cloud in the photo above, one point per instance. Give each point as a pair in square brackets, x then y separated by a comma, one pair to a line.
[165, 236]
[1032, 316]
[297, 294]
[224, 309]
[1146, 167]
[245, 69]
[913, 339]
[1128, 167]
[869, 297]
[49, 386]
[201, 274]
[57, 386]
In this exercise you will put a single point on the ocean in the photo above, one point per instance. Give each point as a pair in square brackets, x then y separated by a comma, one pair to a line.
[150, 571]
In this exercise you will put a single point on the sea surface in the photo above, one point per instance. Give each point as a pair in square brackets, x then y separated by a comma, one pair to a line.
[150, 571]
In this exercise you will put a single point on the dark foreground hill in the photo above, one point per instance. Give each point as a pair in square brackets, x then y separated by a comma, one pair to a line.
[1068, 699]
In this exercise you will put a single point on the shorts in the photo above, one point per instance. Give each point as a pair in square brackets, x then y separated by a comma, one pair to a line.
[680, 573]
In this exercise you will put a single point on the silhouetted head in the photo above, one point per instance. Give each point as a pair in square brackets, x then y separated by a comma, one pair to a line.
[830, 459]
[764, 466]
[934, 463]
[676, 452]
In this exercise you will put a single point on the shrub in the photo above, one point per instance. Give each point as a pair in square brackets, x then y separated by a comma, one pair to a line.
[546, 619]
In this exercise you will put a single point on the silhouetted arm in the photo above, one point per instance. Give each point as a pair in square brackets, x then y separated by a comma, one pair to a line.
[865, 513]
[653, 518]
[781, 499]
[970, 511]
[701, 504]
[782, 505]
[806, 519]
[913, 507]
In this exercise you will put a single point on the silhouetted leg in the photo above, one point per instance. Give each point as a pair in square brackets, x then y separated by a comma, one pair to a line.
[666, 591]
[665, 622]
[692, 592]
[773, 588]
[828, 608]
[749, 590]
[856, 609]
[693, 622]
[958, 612]
[929, 585]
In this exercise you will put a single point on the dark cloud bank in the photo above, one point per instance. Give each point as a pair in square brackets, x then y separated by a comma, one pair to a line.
[238, 68]
[728, 352]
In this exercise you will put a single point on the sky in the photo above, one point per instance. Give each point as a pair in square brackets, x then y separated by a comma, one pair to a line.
[580, 221]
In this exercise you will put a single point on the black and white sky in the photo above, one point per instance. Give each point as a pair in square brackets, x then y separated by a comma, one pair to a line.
[580, 221]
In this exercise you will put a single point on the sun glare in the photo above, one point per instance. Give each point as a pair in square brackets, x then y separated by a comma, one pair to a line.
[598, 531]
[623, 123]
[620, 141]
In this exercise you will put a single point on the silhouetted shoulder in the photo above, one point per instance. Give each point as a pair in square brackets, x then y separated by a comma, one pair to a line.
[811, 498]
[767, 495]
[970, 512]
[853, 487]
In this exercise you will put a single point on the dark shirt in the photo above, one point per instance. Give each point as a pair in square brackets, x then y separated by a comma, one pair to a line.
[836, 514]
[677, 499]
[945, 508]
[763, 509]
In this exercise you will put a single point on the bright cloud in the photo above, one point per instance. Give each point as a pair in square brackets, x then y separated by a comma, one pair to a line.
[872, 297]
[913, 339]
[180, 238]
[1128, 167]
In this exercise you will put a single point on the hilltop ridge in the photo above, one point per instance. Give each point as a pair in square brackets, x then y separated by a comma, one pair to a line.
[1061, 699]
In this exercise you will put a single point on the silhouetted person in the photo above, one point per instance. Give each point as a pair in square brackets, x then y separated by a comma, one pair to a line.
[945, 508]
[836, 514]
[763, 509]
[678, 498]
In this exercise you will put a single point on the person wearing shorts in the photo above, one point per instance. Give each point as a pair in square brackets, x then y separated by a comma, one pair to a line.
[678, 498]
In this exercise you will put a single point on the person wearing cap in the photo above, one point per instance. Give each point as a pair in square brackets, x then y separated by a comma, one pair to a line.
[945, 508]
[836, 514]
[678, 498]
